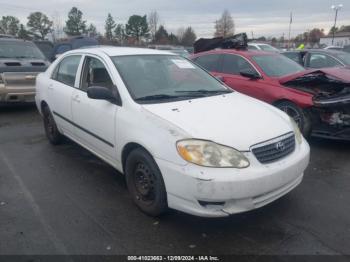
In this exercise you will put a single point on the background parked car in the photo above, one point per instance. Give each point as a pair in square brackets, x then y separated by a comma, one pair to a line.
[73, 43]
[46, 47]
[319, 58]
[262, 47]
[20, 62]
[318, 102]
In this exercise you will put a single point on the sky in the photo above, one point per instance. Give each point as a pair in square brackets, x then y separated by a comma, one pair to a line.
[262, 17]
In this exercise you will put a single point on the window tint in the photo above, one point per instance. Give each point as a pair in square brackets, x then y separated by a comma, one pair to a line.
[209, 62]
[321, 61]
[95, 74]
[233, 64]
[66, 70]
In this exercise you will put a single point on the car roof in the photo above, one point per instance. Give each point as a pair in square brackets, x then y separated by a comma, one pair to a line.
[120, 51]
[9, 39]
[242, 52]
[325, 51]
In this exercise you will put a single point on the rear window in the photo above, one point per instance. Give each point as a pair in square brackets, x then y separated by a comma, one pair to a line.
[20, 50]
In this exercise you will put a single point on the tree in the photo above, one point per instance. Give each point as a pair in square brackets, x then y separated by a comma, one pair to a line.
[23, 33]
[225, 26]
[9, 25]
[91, 31]
[109, 26]
[161, 36]
[315, 35]
[188, 37]
[333, 30]
[75, 25]
[39, 25]
[153, 19]
[119, 33]
[173, 40]
[137, 27]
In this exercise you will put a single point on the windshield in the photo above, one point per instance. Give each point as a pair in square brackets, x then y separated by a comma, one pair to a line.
[277, 65]
[268, 48]
[13, 49]
[155, 78]
[344, 57]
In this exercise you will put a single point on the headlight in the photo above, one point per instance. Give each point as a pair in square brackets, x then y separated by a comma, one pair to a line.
[298, 135]
[210, 154]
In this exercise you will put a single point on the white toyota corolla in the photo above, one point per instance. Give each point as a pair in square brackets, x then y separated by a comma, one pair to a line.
[181, 137]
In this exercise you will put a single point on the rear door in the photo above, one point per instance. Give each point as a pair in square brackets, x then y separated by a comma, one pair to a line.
[60, 90]
[95, 120]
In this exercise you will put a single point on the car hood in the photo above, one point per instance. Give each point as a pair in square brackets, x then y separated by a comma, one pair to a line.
[233, 119]
[342, 73]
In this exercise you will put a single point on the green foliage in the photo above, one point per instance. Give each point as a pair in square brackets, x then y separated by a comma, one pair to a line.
[109, 26]
[91, 31]
[137, 27]
[189, 37]
[23, 33]
[75, 25]
[119, 33]
[162, 36]
[9, 25]
[39, 25]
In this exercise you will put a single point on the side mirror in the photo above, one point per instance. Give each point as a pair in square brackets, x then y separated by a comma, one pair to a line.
[100, 93]
[250, 75]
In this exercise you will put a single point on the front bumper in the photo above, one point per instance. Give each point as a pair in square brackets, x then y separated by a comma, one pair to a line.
[17, 95]
[218, 192]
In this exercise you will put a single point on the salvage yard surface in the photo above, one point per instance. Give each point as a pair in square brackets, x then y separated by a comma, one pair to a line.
[64, 200]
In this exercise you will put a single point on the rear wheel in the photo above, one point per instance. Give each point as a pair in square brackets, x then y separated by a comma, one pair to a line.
[145, 183]
[300, 116]
[51, 130]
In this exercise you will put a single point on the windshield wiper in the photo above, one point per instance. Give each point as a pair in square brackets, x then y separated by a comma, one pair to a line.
[155, 97]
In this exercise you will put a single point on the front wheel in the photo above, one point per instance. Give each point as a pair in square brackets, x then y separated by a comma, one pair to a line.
[145, 183]
[51, 130]
[298, 114]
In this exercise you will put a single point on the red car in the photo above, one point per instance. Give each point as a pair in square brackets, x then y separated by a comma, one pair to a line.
[318, 100]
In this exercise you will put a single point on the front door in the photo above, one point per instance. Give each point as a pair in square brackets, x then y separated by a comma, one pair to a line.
[95, 119]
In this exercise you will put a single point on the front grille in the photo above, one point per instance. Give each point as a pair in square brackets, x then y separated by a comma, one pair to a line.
[275, 149]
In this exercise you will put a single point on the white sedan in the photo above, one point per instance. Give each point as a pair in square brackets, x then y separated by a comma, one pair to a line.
[181, 137]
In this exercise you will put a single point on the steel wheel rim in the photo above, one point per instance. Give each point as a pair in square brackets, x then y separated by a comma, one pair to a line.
[144, 182]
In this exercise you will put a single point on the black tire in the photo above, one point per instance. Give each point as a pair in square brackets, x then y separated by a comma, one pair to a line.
[145, 183]
[51, 130]
[300, 116]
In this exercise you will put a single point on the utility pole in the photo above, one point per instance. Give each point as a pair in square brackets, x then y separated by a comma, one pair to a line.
[290, 28]
[336, 8]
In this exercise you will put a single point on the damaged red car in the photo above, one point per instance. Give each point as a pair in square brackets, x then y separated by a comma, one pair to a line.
[318, 100]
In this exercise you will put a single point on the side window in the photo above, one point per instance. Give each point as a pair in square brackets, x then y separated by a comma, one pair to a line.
[209, 62]
[294, 56]
[233, 64]
[65, 72]
[321, 61]
[95, 74]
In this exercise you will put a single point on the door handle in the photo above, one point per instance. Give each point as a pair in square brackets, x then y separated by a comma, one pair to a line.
[221, 78]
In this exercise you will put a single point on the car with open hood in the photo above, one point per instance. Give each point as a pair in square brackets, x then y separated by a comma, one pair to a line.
[182, 138]
[20, 62]
[317, 99]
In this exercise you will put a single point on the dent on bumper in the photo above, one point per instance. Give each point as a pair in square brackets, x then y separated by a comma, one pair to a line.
[221, 192]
